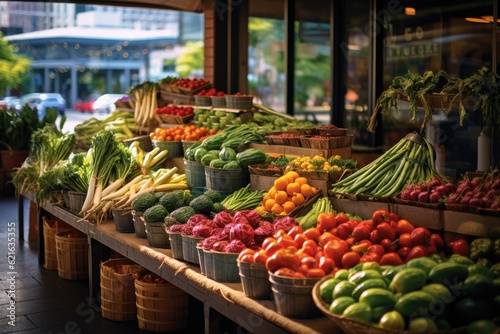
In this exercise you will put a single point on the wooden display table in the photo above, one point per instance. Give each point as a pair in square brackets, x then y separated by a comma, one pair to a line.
[256, 316]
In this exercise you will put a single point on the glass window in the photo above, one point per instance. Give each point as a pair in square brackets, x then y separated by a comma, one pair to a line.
[421, 37]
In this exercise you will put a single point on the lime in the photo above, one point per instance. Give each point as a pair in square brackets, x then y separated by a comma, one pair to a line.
[422, 324]
[358, 311]
[341, 274]
[481, 327]
[392, 320]
[339, 305]
[343, 288]
[326, 289]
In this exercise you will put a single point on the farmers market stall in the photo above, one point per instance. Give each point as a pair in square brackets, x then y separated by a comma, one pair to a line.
[228, 199]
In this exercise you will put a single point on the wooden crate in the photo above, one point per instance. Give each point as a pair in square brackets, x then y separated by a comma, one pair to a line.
[277, 150]
[364, 209]
[420, 216]
[471, 224]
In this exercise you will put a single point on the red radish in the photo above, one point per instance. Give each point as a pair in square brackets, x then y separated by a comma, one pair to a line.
[414, 195]
[434, 197]
[423, 197]
[465, 200]
[475, 202]
[443, 190]
[476, 181]
[405, 195]
[453, 199]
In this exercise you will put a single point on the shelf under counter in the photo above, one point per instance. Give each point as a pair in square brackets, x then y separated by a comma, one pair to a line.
[256, 316]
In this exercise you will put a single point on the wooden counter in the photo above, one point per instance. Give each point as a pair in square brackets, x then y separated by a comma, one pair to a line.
[256, 316]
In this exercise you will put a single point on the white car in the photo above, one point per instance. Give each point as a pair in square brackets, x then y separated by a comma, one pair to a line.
[106, 103]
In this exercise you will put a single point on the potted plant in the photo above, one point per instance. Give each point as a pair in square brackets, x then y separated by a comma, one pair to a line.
[15, 133]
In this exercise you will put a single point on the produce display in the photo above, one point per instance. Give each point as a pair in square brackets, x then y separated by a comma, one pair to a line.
[181, 133]
[410, 161]
[211, 92]
[175, 110]
[121, 123]
[146, 102]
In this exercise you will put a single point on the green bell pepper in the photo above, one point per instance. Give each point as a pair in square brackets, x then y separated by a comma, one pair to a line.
[481, 248]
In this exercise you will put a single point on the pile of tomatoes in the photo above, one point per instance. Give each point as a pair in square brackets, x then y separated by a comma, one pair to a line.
[175, 110]
[339, 242]
[191, 83]
[211, 92]
[181, 133]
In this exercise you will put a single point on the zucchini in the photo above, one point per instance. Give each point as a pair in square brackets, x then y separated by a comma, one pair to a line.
[251, 156]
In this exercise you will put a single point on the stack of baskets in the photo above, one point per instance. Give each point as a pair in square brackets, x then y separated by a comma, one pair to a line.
[72, 255]
[52, 226]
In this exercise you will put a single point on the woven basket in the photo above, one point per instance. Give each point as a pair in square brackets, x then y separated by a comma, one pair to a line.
[352, 326]
[72, 257]
[118, 290]
[202, 100]
[161, 307]
[176, 244]
[222, 267]
[174, 148]
[50, 228]
[189, 251]
[218, 101]
[331, 132]
[255, 280]
[239, 102]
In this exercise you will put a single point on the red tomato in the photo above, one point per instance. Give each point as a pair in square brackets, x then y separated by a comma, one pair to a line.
[315, 273]
[279, 233]
[310, 262]
[310, 247]
[376, 249]
[247, 258]
[420, 236]
[319, 253]
[326, 221]
[303, 269]
[393, 216]
[404, 240]
[312, 233]
[341, 218]
[459, 246]
[272, 248]
[287, 272]
[326, 264]
[350, 241]
[299, 239]
[391, 259]
[286, 241]
[388, 245]
[350, 259]
[403, 252]
[386, 231]
[294, 231]
[260, 256]
[344, 230]
[367, 223]
[431, 248]
[404, 226]
[361, 232]
[335, 249]
[369, 257]
[283, 258]
[267, 241]
[325, 237]
[246, 251]
[438, 241]
[375, 237]
[380, 216]
[416, 251]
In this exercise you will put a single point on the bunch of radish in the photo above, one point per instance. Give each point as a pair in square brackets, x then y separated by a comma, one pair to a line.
[432, 191]
[483, 192]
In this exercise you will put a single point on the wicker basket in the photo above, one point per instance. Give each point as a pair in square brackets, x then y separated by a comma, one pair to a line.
[218, 101]
[139, 228]
[118, 290]
[50, 228]
[239, 102]
[222, 267]
[76, 200]
[352, 326]
[161, 307]
[329, 132]
[174, 148]
[72, 256]
[175, 119]
[176, 244]
[156, 235]
[202, 100]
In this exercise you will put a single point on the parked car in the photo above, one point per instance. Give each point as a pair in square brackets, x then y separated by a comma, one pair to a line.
[106, 103]
[42, 101]
[9, 102]
[86, 104]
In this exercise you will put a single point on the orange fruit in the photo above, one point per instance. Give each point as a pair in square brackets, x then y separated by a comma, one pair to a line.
[277, 209]
[272, 192]
[280, 183]
[281, 196]
[301, 180]
[269, 204]
[266, 197]
[291, 175]
[292, 188]
[298, 199]
[288, 206]
[306, 190]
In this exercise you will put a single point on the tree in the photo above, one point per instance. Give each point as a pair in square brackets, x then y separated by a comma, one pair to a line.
[191, 59]
[13, 68]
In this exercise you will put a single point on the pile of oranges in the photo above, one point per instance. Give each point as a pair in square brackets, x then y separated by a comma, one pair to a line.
[181, 133]
[288, 192]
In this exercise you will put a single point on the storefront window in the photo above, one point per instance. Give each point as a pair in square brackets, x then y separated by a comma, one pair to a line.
[420, 37]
